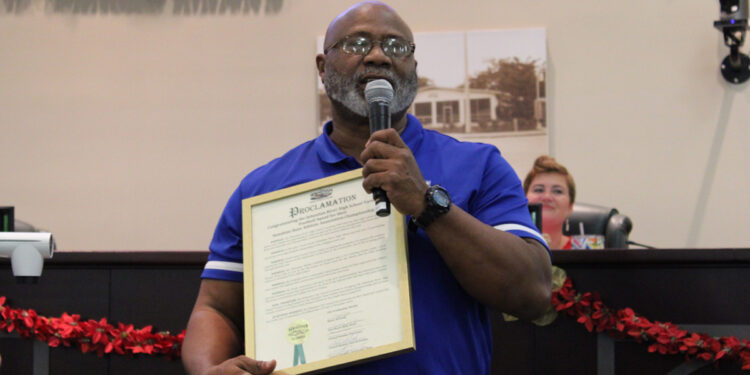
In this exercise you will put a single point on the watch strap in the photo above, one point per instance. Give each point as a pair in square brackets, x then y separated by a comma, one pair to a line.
[432, 209]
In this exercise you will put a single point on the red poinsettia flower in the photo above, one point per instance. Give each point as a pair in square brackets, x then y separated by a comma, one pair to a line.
[99, 331]
[665, 338]
[28, 317]
[705, 356]
[89, 336]
[43, 329]
[656, 347]
[3, 313]
[85, 344]
[22, 321]
[587, 308]
[745, 358]
[114, 346]
[587, 322]
[125, 330]
[67, 326]
[142, 341]
[722, 353]
[54, 340]
[691, 344]
[564, 298]
[146, 346]
[173, 345]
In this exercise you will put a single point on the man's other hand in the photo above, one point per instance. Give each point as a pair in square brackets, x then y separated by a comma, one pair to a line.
[242, 365]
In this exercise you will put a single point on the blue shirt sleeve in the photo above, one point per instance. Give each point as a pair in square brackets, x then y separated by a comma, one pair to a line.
[225, 258]
[501, 202]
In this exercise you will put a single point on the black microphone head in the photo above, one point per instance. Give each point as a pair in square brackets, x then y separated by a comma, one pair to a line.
[379, 90]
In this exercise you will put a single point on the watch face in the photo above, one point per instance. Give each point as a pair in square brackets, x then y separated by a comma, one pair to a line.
[441, 198]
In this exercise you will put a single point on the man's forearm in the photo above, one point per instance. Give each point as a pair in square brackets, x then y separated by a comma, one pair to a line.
[210, 339]
[501, 270]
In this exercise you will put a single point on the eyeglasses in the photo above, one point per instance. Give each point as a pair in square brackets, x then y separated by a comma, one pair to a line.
[361, 45]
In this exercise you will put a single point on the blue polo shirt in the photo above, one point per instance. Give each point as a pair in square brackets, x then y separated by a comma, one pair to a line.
[452, 329]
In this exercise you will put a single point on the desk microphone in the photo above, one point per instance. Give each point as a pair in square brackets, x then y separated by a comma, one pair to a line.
[379, 94]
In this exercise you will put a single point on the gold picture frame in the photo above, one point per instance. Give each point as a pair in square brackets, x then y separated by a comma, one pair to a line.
[326, 280]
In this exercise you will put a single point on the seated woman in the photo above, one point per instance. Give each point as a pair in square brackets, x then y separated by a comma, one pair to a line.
[550, 184]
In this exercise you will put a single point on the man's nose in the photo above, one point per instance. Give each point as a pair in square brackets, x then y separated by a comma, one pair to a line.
[377, 56]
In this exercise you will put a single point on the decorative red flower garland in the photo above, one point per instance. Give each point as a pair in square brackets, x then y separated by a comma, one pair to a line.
[90, 335]
[588, 309]
[665, 338]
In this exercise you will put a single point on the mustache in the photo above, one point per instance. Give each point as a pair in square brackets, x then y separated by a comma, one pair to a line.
[382, 72]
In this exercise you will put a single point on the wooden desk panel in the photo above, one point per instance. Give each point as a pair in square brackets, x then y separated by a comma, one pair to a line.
[686, 287]
[140, 288]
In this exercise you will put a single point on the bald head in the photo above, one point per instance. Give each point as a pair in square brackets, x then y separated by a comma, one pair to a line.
[365, 12]
[345, 72]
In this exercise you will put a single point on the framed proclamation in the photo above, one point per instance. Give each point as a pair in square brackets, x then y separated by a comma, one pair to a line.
[326, 280]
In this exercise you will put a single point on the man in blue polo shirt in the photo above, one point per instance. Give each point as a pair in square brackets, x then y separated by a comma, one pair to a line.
[475, 246]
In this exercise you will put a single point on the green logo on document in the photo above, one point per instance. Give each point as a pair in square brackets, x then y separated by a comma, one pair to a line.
[296, 334]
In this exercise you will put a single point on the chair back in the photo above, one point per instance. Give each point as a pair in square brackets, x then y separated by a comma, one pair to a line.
[600, 220]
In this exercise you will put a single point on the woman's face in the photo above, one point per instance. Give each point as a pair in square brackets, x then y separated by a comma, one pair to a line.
[551, 190]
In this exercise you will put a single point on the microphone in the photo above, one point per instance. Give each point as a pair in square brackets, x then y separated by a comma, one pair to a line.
[379, 94]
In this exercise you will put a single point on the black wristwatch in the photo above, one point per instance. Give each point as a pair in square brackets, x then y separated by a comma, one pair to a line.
[437, 203]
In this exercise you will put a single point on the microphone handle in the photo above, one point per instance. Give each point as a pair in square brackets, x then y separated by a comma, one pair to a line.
[380, 118]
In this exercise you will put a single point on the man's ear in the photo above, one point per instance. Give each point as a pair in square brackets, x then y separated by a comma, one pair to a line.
[320, 63]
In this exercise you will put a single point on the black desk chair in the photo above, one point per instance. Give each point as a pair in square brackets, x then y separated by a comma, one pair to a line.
[599, 220]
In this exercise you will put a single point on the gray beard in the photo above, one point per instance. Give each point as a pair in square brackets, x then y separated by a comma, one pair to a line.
[344, 90]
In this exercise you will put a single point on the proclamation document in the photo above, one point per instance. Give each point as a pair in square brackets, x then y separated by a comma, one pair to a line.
[326, 280]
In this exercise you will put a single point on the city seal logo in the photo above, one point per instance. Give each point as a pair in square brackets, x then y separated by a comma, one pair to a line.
[321, 194]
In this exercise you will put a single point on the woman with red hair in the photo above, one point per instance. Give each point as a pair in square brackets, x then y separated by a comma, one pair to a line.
[550, 184]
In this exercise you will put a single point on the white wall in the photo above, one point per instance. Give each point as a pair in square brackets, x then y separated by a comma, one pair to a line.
[128, 129]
